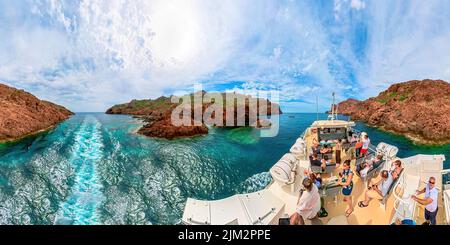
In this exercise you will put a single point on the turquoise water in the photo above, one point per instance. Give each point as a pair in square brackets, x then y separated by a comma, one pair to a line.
[93, 169]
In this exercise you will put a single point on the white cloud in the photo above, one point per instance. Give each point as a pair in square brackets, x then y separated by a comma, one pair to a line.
[88, 55]
[406, 42]
[357, 4]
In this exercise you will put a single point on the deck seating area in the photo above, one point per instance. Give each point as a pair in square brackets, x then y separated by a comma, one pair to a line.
[383, 201]
[279, 199]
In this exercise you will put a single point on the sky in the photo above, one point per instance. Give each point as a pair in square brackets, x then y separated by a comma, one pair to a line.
[90, 55]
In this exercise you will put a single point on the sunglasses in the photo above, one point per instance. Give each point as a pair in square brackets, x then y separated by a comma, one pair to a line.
[431, 182]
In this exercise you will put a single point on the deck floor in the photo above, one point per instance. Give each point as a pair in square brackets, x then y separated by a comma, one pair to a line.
[374, 214]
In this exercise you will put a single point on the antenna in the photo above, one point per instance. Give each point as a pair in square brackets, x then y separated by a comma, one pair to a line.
[337, 107]
[317, 108]
[332, 108]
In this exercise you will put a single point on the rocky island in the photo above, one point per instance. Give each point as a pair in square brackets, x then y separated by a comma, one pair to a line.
[157, 113]
[418, 109]
[23, 114]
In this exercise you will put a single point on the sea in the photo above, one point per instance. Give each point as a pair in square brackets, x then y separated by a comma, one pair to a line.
[95, 169]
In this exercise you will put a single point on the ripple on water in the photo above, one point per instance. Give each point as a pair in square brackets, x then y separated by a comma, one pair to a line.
[244, 135]
[141, 180]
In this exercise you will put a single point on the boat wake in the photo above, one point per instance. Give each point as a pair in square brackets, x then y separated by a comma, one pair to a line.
[80, 207]
[255, 183]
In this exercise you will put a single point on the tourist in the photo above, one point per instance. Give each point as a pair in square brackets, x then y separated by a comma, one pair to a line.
[317, 180]
[364, 167]
[315, 148]
[350, 136]
[365, 145]
[397, 169]
[378, 189]
[316, 163]
[346, 182]
[308, 204]
[325, 149]
[353, 139]
[325, 162]
[315, 177]
[358, 146]
[337, 150]
[430, 201]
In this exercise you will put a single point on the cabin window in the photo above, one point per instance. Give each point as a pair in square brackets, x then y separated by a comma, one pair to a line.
[332, 133]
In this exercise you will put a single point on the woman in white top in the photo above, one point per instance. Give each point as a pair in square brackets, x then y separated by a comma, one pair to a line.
[308, 204]
[365, 146]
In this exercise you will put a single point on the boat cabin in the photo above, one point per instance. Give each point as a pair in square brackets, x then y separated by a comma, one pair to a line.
[332, 130]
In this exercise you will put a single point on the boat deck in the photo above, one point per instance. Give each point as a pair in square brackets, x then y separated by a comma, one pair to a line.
[279, 199]
[374, 214]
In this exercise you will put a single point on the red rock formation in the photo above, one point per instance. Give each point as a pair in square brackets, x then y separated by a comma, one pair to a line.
[23, 114]
[157, 115]
[158, 124]
[418, 109]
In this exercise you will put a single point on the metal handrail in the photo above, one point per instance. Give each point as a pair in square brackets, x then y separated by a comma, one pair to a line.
[198, 222]
[400, 184]
[264, 216]
[405, 201]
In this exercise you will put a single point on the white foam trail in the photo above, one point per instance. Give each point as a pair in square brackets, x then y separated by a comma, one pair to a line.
[256, 182]
[80, 207]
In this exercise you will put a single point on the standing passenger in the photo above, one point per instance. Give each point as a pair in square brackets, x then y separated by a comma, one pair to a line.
[308, 204]
[358, 146]
[338, 149]
[430, 200]
[347, 186]
[365, 145]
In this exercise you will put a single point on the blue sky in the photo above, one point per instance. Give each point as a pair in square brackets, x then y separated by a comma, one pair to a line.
[89, 55]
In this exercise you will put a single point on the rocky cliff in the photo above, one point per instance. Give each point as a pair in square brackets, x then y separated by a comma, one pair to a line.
[157, 113]
[417, 109]
[23, 114]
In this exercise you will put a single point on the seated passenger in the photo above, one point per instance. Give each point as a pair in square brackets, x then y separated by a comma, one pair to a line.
[378, 189]
[325, 162]
[316, 163]
[308, 204]
[397, 169]
[364, 168]
[315, 177]
[325, 149]
[315, 149]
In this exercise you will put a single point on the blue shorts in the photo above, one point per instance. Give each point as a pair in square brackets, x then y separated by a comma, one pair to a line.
[346, 191]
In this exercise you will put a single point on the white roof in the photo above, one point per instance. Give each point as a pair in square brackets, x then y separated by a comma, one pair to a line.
[332, 123]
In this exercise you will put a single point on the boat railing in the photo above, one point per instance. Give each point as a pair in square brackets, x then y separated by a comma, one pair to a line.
[404, 206]
[304, 133]
[446, 179]
[260, 219]
[192, 221]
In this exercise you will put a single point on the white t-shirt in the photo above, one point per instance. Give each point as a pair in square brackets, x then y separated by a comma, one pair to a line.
[386, 184]
[309, 203]
[366, 143]
[433, 194]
